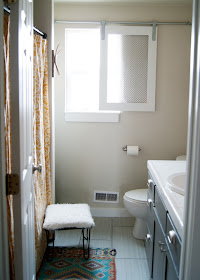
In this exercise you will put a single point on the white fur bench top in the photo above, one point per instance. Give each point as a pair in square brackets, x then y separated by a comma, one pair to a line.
[60, 216]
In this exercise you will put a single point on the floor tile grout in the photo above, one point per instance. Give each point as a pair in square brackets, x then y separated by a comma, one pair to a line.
[101, 239]
[112, 233]
[123, 226]
[131, 259]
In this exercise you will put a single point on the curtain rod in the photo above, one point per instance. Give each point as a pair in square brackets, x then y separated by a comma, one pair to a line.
[6, 9]
[124, 22]
[44, 35]
[103, 24]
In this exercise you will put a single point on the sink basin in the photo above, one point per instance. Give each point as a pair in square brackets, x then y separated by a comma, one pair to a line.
[177, 182]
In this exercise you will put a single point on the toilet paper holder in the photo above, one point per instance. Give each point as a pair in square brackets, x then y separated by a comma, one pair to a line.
[124, 148]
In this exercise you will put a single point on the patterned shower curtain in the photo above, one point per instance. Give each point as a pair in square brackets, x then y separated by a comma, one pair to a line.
[41, 143]
[7, 115]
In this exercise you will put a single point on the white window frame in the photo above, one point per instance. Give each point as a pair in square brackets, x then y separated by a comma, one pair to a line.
[101, 116]
[151, 72]
[110, 112]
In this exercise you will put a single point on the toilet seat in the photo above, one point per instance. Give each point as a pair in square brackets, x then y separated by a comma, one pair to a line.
[137, 196]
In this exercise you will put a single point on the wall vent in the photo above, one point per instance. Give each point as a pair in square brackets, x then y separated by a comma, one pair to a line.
[106, 197]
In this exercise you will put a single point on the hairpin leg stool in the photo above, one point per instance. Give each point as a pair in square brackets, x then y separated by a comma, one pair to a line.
[65, 217]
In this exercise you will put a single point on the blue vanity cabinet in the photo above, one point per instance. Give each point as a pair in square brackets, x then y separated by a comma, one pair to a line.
[159, 251]
[162, 243]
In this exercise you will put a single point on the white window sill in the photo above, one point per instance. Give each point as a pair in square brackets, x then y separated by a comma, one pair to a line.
[99, 116]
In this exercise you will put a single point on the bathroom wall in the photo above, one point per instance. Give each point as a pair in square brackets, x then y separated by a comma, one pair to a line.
[89, 156]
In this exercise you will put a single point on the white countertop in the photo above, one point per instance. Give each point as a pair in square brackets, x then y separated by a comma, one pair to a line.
[174, 202]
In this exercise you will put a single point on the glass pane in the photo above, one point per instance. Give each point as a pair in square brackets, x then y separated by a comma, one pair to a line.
[82, 69]
[127, 68]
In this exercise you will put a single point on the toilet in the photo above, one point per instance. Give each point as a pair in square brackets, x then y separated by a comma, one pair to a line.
[135, 202]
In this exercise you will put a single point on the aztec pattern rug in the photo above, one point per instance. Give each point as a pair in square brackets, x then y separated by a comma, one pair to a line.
[68, 263]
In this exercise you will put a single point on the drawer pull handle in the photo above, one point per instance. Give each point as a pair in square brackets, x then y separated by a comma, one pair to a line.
[148, 237]
[149, 182]
[149, 202]
[162, 249]
[172, 237]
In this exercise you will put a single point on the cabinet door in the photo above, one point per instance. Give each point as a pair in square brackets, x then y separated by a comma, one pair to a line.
[170, 272]
[159, 251]
[163, 265]
[150, 233]
[175, 246]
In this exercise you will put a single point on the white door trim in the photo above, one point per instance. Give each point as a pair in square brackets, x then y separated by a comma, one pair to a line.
[14, 58]
[190, 268]
[4, 256]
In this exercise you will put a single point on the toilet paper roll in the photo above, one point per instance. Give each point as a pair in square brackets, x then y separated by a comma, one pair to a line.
[132, 150]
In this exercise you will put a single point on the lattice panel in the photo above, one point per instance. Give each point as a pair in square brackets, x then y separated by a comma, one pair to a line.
[127, 68]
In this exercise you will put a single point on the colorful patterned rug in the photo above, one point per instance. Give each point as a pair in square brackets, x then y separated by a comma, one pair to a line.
[68, 263]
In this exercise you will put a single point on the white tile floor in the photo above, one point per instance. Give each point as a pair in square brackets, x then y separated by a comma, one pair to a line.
[114, 233]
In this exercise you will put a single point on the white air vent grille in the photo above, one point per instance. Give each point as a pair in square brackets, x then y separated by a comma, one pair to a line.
[106, 197]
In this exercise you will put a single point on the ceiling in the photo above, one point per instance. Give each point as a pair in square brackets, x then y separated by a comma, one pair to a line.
[164, 2]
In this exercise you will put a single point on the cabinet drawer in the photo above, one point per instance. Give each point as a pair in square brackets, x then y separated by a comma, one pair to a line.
[173, 242]
[160, 209]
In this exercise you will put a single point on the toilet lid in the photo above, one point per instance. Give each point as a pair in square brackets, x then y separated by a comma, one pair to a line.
[140, 195]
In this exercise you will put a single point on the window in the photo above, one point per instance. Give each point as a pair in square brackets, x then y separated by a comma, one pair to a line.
[115, 74]
[82, 69]
[128, 69]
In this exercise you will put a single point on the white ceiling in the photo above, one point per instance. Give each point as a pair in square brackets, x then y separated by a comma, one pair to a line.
[169, 2]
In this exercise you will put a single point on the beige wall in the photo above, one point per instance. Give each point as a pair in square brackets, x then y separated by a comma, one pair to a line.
[89, 156]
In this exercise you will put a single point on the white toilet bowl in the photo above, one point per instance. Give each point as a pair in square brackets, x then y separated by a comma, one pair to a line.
[135, 202]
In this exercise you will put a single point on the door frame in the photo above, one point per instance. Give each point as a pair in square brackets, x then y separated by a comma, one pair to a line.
[193, 204]
[190, 268]
[4, 252]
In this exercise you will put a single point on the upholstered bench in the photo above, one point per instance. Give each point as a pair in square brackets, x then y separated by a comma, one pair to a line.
[69, 216]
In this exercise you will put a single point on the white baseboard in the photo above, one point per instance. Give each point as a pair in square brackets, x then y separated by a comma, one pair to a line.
[109, 212]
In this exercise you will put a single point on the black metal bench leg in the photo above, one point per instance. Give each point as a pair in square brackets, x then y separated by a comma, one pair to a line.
[49, 240]
[86, 244]
[86, 249]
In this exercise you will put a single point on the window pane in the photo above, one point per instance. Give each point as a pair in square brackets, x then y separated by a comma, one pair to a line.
[127, 68]
[82, 69]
